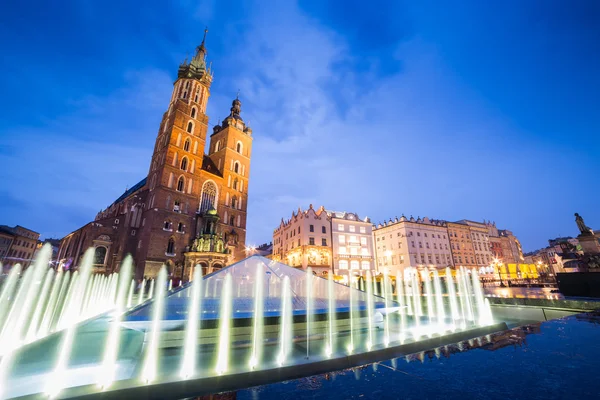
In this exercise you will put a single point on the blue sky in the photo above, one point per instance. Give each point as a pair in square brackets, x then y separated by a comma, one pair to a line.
[474, 110]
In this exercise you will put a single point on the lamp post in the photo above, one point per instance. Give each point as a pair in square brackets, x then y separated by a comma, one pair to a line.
[498, 264]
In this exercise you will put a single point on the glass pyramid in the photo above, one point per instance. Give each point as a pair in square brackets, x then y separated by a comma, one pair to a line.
[244, 276]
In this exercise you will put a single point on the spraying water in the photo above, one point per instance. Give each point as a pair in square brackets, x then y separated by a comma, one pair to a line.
[386, 296]
[188, 365]
[370, 310]
[452, 295]
[286, 321]
[309, 307]
[111, 349]
[439, 302]
[158, 308]
[257, 330]
[225, 326]
[330, 315]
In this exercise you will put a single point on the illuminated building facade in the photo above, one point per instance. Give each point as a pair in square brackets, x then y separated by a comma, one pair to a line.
[410, 242]
[461, 244]
[305, 241]
[352, 245]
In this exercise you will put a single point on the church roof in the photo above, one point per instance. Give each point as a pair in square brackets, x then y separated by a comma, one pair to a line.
[208, 165]
[130, 191]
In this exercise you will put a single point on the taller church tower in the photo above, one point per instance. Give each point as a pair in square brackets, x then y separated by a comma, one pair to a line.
[196, 204]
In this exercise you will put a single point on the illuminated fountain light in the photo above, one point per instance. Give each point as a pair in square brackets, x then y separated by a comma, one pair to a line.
[71, 316]
[51, 306]
[408, 292]
[39, 308]
[452, 295]
[151, 290]
[225, 326]
[7, 291]
[370, 310]
[386, 297]
[418, 311]
[309, 307]
[430, 297]
[141, 292]
[285, 322]
[439, 302]
[130, 294]
[107, 372]
[329, 348]
[352, 316]
[158, 309]
[258, 317]
[190, 346]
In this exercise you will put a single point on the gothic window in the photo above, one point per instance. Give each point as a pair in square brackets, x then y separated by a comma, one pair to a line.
[209, 196]
[193, 113]
[236, 167]
[180, 184]
[238, 147]
[184, 163]
[180, 227]
[99, 255]
[235, 184]
[190, 127]
[186, 145]
[217, 145]
[234, 202]
[231, 220]
[171, 246]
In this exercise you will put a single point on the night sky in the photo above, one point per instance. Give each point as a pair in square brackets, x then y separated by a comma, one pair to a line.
[467, 110]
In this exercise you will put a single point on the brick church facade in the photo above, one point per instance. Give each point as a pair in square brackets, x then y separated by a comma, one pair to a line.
[191, 208]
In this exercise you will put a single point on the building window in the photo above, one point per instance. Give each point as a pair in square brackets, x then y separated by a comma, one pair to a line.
[190, 127]
[354, 264]
[363, 241]
[177, 206]
[180, 227]
[343, 264]
[342, 249]
[209, 196]
[323, 229]
[217, 146]
[100, 255]
[193, 113]
[167, 226]
[232, 220]
[342, 239]
[180, 184]
[184, 163]
[341, 227]
[412, 243]
[363, 229]
[236, 167]
[420, 245]
[238, 147]
[418, 233]
[323, 242]
[171, 246]
[311, 228]
[352, 228]
[186, 145]
[311, 241]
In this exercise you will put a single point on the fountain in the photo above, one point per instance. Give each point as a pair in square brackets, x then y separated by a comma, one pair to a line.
[62, 304]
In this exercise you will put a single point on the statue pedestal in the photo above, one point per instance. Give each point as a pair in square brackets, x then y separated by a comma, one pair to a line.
[589, 244]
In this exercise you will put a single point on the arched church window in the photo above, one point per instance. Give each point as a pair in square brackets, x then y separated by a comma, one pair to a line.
[217, 146]
[190, 127]
[186, 145]
[238, 147]
[100, 255]
[180, 184]
[193, 113]
[234, 202]
[184, 163]
[231, 220]
[235, 184]
[236, 167]
[171, 246]
[208, 198]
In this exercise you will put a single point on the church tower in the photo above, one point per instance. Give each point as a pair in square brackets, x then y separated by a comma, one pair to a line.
[187, 220]
[230, 150]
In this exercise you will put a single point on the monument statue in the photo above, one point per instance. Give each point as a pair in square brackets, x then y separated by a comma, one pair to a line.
[585, 230]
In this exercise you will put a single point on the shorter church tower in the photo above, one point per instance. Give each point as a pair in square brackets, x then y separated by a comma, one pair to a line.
[230, 150]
